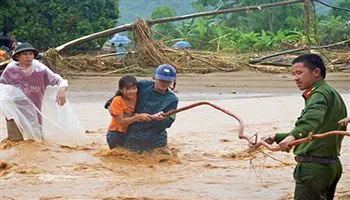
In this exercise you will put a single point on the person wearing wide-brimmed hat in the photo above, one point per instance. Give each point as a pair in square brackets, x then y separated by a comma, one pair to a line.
[31, 77]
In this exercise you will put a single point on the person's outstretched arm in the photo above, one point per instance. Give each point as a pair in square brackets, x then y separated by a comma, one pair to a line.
[345, 121]
[312, 115]
[55, 79]
[116, 110]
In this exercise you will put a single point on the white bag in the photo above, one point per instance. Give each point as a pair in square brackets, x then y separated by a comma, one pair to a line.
[59, 123]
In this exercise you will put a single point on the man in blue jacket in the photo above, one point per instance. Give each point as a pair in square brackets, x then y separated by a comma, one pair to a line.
[155, 98]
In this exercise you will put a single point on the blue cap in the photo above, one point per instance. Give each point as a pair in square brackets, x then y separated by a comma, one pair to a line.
[165, 72]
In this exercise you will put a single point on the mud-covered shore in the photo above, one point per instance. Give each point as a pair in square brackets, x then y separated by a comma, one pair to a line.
[208, 161]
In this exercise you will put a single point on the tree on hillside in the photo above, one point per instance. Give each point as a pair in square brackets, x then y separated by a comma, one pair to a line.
[335, 27]
[272, 19]
[342, 4]
[50, 23]
[162, 12]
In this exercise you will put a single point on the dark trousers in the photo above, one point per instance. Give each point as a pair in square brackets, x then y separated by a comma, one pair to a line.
[115, 139]
[13, 132]
[314, 181]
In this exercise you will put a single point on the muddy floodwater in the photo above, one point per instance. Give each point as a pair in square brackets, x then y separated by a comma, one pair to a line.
[208, 161]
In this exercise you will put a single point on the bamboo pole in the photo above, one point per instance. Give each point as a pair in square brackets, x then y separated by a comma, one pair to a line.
[307, 23]
[94, 36]
[128, 27]
[230, 10]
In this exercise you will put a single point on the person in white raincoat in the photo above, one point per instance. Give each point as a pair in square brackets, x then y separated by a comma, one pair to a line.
[26, 75]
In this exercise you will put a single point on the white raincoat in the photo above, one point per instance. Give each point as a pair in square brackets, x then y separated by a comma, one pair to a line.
[28, 97]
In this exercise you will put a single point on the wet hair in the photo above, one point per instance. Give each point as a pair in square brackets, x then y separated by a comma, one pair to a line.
[126, 81]
[312, 61]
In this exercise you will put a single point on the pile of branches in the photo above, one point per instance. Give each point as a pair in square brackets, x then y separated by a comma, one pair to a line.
[147, 56]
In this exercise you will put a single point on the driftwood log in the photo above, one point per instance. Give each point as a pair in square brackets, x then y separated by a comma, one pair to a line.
[257, 60]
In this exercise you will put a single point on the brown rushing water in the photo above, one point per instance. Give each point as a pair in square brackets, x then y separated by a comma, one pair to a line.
[208, 161]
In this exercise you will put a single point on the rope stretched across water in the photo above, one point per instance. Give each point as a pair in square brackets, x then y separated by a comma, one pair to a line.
[303, 140]
[241, 124]
[254, 143]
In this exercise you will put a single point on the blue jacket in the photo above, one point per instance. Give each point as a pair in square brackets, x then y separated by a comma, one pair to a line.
[146, 136]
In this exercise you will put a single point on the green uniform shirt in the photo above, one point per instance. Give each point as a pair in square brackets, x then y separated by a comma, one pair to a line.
[324, 107]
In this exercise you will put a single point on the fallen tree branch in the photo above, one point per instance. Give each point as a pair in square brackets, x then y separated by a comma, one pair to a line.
[279, 64]
[94, 36]
[209, 63]
[117, 70]
[128, 27]
[91, 74]
[257, 60]
[111, 54]
[224, 11]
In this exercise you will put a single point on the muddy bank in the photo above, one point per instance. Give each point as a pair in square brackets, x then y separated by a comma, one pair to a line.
[242, 81]
[208, 161]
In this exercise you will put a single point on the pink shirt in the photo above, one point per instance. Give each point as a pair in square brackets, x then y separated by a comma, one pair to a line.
[32, 81]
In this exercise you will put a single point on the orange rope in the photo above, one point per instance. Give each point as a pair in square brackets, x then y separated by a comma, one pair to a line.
[303, 140]
[256, 144]
[241, 124]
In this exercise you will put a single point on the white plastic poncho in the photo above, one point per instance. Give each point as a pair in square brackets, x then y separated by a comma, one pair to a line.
[28, 96]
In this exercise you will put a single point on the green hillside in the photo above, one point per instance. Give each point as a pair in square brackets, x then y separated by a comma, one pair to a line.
[131, 9]
[323, 10]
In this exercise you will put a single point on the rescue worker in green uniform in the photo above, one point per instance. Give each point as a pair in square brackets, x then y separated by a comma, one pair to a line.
[154, 98]
[318, 167]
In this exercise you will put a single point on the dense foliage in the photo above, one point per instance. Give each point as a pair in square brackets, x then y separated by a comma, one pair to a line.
[267, 29]
[50, 23]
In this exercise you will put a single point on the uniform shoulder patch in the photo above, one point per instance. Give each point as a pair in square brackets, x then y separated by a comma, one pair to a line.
[308, 93]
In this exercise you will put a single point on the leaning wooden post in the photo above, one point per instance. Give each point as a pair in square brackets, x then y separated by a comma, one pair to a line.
[150, 23]
[307, 5]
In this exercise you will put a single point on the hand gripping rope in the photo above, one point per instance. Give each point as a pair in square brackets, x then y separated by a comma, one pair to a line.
[303, 140]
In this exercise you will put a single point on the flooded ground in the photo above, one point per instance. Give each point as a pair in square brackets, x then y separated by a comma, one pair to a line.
[208, 161]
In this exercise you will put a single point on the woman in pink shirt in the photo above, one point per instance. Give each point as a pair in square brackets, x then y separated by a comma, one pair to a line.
[31, 77]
